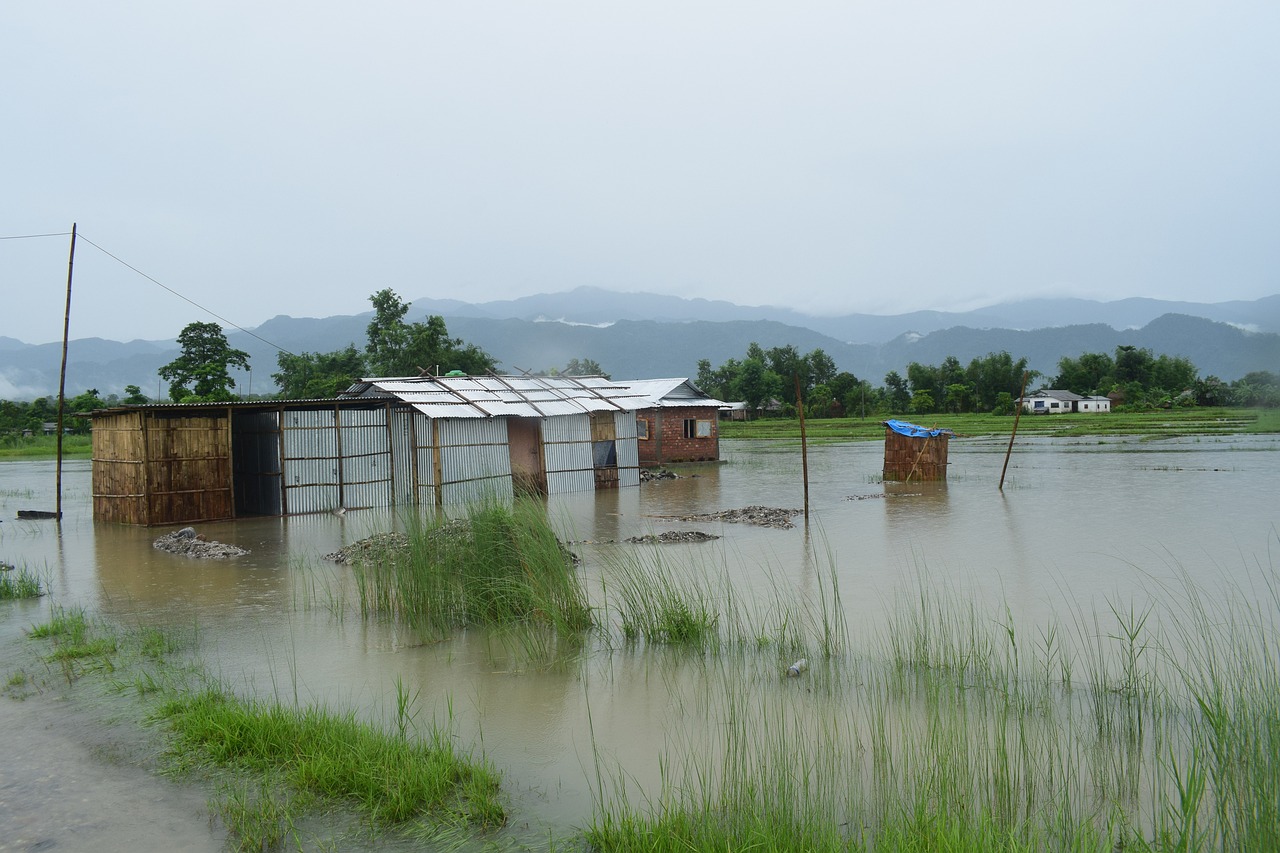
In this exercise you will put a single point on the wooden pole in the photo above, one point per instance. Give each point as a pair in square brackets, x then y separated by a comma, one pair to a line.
[62, 379]
[1017, 413]
[804, 449]
[923, 448]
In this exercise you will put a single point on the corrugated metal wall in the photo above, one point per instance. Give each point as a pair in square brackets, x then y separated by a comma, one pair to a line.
[424, 449]
[628, 448]
[566, 445]
[365, 468]
[310, 461]
[475, 462]
[403, 452]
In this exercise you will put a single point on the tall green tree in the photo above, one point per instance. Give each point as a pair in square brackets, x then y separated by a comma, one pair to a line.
[397, 348]
[318, 375]
[202, 372]
[897, 392]
[1091, 373]
[994, 374]
[756, 384]
[584, 367]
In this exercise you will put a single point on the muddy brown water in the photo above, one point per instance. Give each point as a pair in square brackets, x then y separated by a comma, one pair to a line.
[1079, 522]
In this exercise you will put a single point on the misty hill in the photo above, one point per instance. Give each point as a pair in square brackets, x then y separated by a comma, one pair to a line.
[594, 306]
[638, 335]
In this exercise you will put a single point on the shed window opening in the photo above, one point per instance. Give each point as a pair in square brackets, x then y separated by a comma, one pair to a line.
[642, 429]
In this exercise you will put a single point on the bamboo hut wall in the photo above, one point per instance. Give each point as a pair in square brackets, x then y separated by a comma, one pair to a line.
[188, 467]
[915, 458]
[119, 469]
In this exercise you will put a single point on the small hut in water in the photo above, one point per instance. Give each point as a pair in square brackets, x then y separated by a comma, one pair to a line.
[914, 452]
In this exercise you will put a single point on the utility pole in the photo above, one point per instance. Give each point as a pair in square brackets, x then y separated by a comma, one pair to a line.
[62, 379]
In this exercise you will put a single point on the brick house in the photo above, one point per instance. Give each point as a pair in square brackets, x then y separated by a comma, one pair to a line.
[675, 421]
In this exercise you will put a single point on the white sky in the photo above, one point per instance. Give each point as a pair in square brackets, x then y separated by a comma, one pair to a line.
[293, 158]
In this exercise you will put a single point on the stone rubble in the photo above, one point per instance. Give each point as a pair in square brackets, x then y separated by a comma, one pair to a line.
[672, 536]
[380, 545]
[761, 516]
[187, 543]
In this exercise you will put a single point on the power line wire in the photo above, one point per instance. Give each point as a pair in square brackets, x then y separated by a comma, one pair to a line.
[31, 236]
[187, 299]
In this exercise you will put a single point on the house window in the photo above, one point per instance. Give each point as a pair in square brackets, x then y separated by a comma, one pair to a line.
[1039, 404]
[694, 428]
[642, 429]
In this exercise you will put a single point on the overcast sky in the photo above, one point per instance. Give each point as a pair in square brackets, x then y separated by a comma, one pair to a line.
[293, 158]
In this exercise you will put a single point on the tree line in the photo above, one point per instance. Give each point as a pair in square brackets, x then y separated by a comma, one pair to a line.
[768, 381]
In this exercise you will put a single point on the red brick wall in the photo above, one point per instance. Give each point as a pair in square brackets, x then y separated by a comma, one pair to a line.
[666, 442]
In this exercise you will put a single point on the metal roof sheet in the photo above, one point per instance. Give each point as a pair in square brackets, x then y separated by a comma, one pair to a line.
[501, 396]
[665, 393]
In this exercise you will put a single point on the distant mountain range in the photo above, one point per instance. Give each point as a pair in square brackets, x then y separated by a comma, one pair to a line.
[640, 335]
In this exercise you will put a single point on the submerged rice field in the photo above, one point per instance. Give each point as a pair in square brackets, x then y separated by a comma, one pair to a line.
[1086, 662]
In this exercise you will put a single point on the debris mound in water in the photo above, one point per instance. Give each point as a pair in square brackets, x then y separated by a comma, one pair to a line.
[673, 536]
[380, 546]
[649, 474]
[188, 543]
[389, 547]
[762, 516]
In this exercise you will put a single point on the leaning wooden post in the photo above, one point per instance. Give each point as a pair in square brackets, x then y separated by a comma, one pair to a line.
[62, 378]
[804, 449]
[923, 448]
[1017, 413]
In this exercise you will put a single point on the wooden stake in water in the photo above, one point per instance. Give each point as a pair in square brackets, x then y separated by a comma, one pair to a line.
[1017, 413]
[62, 379]
[804, 449]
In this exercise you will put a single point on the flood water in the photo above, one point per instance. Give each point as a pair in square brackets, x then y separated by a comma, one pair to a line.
[1079, 522]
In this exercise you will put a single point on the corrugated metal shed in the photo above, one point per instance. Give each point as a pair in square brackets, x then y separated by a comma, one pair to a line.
[384, 442]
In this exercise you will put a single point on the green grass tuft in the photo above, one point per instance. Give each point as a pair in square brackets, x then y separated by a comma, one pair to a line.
[500, 566]
[390, 779]
[20, 583]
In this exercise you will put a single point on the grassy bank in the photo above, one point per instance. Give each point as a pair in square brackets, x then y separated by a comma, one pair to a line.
[46, 447]
[1170, 422]
[279, 765]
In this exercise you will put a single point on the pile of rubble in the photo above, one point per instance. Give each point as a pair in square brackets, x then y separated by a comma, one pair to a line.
[672, 536]
[377, 547]
[188, 543]
[648, 474]
[762, 516]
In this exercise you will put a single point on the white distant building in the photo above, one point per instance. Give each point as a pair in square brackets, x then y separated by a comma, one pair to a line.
[1055, 402]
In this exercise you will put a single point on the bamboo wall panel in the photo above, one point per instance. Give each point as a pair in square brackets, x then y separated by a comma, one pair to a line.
[188, 467]
[906, 457]
[119, 469]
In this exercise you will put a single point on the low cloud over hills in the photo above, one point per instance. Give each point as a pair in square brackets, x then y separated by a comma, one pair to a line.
[647, 335]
